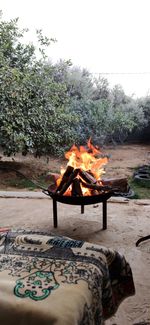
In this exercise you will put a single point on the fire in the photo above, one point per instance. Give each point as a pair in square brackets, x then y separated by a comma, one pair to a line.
[87, 160]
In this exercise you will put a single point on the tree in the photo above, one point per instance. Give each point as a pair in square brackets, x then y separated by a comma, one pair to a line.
[124, 115]
[45, 107]
[34, 112]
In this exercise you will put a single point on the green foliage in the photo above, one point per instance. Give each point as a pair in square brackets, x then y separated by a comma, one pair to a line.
[92, 117]
[20, 183]
[109, 118]
[34, 113]
[141, 192]
[45, 108]
[124, 115]
[144, 103]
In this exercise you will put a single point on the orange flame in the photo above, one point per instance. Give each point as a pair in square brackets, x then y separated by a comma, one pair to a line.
[81, 158]
[86, 160]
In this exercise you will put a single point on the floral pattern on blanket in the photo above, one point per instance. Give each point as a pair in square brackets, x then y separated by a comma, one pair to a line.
[44, 266]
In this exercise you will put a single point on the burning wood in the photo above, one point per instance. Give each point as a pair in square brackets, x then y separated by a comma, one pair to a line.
[83, 174]
[76, 187]
[65, 177]
[96, 186]
[87, 177]
[68, 182]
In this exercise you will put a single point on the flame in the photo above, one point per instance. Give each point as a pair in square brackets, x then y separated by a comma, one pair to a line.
[87, 160]
[81, 158]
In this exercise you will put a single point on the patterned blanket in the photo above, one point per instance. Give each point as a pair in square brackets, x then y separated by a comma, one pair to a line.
[47, 279]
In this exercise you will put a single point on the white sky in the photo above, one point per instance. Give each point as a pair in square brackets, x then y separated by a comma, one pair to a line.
[100, 35]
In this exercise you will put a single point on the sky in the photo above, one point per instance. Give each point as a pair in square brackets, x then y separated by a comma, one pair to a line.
[108, 37]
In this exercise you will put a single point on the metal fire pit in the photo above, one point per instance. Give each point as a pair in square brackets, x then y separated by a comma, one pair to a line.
[82, 201]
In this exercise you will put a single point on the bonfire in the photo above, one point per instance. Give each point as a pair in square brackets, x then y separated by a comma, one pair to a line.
[83, 173]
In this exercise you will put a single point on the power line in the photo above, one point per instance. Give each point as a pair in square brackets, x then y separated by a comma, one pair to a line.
[120, 73]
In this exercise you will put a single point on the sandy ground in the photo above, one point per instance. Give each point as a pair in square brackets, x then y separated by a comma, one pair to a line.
[122, 162]
[128, 220]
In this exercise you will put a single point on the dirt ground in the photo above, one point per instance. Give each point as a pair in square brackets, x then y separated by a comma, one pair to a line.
[128, 220]
[123, 159]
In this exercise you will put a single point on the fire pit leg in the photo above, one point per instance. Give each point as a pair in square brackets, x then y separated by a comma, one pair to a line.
[104, 214]
[55, 213]
[82, 208]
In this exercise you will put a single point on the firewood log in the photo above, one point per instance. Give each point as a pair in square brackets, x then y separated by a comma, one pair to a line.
[52, 188]
[120, 184]
[76, 188]
[97, 186]
[69, 181]
[65, 177]
[52, 177]
[87, 177]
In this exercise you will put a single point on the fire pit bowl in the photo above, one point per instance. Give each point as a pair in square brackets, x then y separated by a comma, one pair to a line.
[81, 182]
[82, 201]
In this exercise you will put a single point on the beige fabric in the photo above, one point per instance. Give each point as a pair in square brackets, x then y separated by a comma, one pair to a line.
[54, 280]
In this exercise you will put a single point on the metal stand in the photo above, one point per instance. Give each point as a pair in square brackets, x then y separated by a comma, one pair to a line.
[82, 209]
[142, 239]
[104, 207]
[55, 213]
[104, 213]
